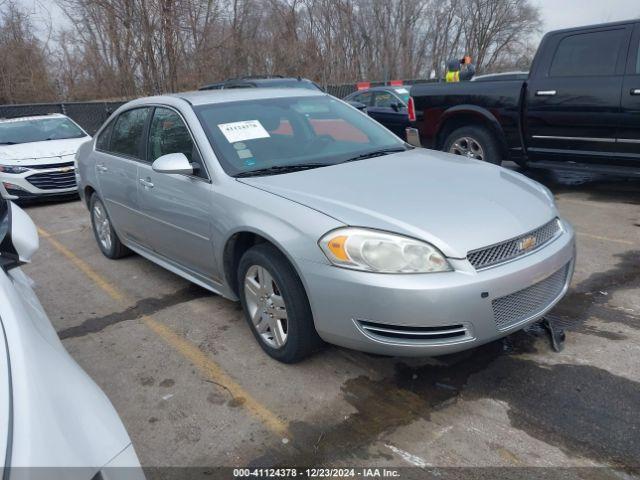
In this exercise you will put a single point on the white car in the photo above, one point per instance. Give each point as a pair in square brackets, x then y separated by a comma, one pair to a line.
[37, 155]
[55, 422]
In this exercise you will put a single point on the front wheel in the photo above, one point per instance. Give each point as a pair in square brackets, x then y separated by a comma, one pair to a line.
[275, 305]
[474, 142]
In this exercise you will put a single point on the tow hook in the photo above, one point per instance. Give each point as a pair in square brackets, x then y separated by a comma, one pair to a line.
[555, 333]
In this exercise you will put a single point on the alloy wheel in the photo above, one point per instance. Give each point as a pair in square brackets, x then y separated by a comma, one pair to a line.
[266, 306]
[467, 147]
[102, 226]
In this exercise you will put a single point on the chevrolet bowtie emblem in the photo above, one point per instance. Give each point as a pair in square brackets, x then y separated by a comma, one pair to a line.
[527, 243]
[66, 169]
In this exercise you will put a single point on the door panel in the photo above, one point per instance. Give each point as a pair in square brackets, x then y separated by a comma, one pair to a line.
[118, 179]
[177, 208]
[573, 101]
[117, 171]
[177, 218]
[629, 134]
[381, 110]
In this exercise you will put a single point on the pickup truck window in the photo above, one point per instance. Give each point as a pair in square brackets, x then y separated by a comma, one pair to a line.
[587, 54]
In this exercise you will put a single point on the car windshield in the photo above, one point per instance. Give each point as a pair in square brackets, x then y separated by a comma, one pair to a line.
[38, 130]
[278, 133]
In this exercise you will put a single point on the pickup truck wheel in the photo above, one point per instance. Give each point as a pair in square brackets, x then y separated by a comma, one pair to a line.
[106, 236]
[275, 305]
[474, 142]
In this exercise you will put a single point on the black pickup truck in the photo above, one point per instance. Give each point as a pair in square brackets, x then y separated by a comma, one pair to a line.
[579, 108]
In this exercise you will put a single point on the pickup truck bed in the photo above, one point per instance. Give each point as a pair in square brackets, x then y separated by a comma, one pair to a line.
[579, 108]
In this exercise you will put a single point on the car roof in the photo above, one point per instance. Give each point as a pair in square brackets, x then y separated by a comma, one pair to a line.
[204, 97]
[32, 117]
[382, 88]
[255, 81]
[597, 25]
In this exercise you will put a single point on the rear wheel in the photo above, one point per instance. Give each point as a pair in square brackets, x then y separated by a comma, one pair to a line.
[276, 305]
[106, 236]
[474, 142]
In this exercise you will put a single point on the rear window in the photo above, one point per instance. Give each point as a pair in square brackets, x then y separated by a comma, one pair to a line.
[587, 54]
[403, 93]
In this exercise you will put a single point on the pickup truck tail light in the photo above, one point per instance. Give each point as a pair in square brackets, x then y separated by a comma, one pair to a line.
[411, 108]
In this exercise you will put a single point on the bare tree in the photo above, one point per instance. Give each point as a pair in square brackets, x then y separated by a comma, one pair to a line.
[126, 48]
[24, 75]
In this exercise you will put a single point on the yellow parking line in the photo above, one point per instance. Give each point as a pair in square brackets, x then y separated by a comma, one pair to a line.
[607, 239]
[193, 354]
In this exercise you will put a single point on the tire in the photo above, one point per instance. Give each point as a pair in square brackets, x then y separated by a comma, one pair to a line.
[101, 225]
[257, 267]
[462, 140]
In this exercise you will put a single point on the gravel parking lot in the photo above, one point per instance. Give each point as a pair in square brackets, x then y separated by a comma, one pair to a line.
[194, 389]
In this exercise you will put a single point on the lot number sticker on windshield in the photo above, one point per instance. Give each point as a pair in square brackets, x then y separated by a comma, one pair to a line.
[241, 131]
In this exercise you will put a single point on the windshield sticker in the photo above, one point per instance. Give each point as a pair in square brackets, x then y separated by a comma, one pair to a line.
[241, 131]
[402, 90]
[246, 153]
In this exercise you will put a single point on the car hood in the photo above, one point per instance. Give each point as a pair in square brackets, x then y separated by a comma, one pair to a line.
[26, 153]
[60, 418]
[454, 203]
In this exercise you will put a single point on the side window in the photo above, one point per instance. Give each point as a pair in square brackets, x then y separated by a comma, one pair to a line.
[169, 134]
[364, 98]
[102, 143]
[384, 99]
[127, 132]
[587, 54]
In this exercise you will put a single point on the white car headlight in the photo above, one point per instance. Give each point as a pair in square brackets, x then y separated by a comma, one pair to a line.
[12, 169]
[375, 251]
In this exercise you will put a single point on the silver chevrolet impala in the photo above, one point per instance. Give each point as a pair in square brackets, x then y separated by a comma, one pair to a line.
[326, 226]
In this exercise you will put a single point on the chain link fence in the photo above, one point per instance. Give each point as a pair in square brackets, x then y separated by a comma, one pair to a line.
[91, 115]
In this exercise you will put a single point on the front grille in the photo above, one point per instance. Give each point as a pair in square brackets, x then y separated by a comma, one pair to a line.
[49, 165]
[527, 303]
[510, 249]
[53, 180]
[401, 332]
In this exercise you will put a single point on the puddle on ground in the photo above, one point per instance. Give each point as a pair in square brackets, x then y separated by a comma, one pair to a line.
[583, 410]
[591, 296]
[146, 306]
[601, 188]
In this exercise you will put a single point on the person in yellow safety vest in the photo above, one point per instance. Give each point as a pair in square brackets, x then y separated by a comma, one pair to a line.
[453, 71]
[460, 70]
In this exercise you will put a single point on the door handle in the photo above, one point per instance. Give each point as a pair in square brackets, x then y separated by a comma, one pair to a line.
[635, 91]
[101, 168]
[546, 93]
[145, 183]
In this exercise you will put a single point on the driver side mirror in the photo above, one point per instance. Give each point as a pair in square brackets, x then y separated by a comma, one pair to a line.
[173, 163]
[18, 236]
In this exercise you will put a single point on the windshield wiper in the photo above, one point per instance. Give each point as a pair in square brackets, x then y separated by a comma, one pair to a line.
[277, 169]
[8, 143]
[376, 153]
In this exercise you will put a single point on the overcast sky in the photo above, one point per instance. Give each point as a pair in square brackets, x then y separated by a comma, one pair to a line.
[555, 13]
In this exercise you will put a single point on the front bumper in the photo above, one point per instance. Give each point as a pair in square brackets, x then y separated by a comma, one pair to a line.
[424, 309]
[41, 182]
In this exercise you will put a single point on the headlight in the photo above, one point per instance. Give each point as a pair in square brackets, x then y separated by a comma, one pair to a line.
[375, 251]
[12, 169]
